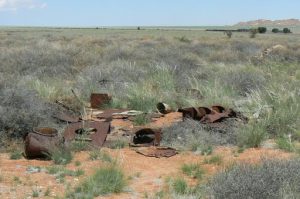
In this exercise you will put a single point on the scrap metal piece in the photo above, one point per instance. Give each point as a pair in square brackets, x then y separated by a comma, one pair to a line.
[157, 152]
[62, 116]
[99, 99]
[107, 115]
[147, 137]
[163, 108]
[208, 115]
[97, 137]
[40, 142]
[195, 113]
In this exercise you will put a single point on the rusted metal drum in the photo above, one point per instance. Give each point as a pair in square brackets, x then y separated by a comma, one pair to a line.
[38, 144]
[99, 99]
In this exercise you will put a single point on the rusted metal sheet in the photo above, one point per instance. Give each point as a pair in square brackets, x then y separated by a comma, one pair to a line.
[40, 142]
[62, 116]
[213, 114]
[96, 135]
[99, 99]
[147, 137]
[107, 115]
[157, 152]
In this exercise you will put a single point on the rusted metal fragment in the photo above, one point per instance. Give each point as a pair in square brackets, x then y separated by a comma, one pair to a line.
[99, 99]
[65, 117]
[208, 115]
[96, 132]
[107, 115]
[40, 142]
[163, 108]
[194, 112]
[147, 137]
[157, 152]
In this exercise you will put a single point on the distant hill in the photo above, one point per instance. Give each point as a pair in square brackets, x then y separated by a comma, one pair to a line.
[264, 22]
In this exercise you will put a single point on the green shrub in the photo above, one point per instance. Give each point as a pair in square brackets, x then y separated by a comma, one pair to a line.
[216, 159]
[106, 180]
[285, 143]
[15, 155]
[262, 30]
[252, 135]
[101, 155]
[275, 30]
[192, 170]
[79, 145]
[180, 186]
[286, 30]
[141, 119]
[61, 156]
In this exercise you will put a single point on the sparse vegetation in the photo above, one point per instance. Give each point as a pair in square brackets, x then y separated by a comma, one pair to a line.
[15, 155]
[285, 143]
[279, 177]
[61, 156]
[252, 135]
[193, 170]
[60, 172]
[106, 180]
[215, 159]
[142, 68]
[180, 186]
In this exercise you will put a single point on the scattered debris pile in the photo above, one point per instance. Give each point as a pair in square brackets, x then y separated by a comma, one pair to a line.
[94, 127]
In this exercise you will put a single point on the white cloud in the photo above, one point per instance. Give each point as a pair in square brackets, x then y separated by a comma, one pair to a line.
[13, 5]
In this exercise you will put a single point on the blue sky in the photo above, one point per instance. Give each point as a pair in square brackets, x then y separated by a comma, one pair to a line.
[142, 12]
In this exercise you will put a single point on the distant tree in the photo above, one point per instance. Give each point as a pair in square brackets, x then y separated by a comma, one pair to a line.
[275, 30]
[286, 30]
[138, 28]
[262, 30]
[253, 32]
[228, 33]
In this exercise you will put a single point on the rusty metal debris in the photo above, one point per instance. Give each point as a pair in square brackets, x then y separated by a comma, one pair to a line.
[65, 117]
[147, 137]
[163, 108]
[94, 132]
[213, 114]
[107, 115]
[38, 144]
[99, 99]
[157, 152]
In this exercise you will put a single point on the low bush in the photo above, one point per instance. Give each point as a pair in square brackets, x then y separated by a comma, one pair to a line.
[15, 155]
[180, 186]
[252, 135]
[270, 180]
[61, 156]
[192, 135]
[244, 80]
[285, 143]
[21, 109]
[192, 170]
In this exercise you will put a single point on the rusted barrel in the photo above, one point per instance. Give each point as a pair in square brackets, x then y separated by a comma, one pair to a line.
[38, 144]
[147, 137]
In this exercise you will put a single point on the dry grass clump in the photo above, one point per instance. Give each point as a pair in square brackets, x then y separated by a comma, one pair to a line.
[270, 179]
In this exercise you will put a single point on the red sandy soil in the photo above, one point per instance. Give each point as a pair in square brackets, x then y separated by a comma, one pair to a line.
[145, 174]
[148, 175]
